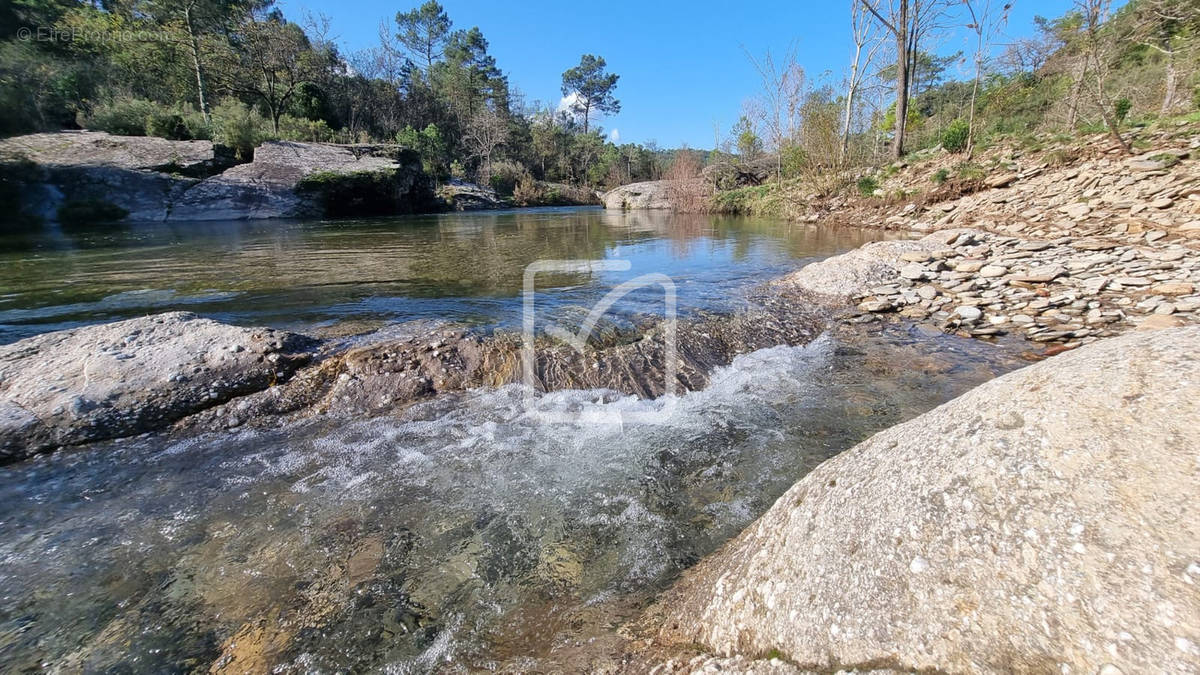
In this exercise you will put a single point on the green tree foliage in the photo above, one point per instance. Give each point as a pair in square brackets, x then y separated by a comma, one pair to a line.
[749, 145]
[425, 31]
[239, 72]
[591, 87]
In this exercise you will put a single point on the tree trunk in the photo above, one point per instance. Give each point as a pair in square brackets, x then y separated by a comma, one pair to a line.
[1076, 92]
[852, 89]
[902, 81]
[974, 96]
[194, 45]
[1172, 84]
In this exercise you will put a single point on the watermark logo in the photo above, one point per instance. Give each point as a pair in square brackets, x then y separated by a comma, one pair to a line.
[656, 412]
[91, 36]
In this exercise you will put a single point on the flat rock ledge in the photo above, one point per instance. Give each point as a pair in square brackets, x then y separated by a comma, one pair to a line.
[1070, 290]
[1043, 522]
[124, 378]
[396, 367]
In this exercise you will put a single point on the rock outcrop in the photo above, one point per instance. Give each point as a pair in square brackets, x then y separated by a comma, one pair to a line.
[402, 364]
[123, 378]
[1043, 522]
[461, 195]
[157, 180]
[648, 195]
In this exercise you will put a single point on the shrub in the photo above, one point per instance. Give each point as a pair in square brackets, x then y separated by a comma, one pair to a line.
[505, 176]
[940, 176]
[432, 147]
[166, 124]
[238, 126]
[1121, 108]
[968, 171]
[125, 116]
[867, 185]
[304, 130]
[89, 212]
[792, 160]
[528, 192]
[956, 136]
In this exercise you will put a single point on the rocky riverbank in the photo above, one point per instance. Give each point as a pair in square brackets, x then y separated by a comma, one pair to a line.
[1068, 290]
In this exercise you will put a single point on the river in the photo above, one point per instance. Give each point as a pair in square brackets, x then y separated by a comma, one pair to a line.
[462, 533]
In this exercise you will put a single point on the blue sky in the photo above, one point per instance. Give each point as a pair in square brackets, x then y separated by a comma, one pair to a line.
[682, 64]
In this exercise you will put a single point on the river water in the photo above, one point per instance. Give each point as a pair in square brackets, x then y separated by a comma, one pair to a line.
[463, 533]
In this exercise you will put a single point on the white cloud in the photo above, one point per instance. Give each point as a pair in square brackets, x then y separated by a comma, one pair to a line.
[615, 135]
[568, 101]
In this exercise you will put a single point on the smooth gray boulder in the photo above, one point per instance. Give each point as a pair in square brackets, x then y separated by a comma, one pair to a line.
[124, 378]
[635, 196]
[1043, 522]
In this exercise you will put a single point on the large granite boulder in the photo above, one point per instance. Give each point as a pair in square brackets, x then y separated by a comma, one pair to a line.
[1043, 522]
[273, 185]
[156, 180]
[648, 195]
[124, 378]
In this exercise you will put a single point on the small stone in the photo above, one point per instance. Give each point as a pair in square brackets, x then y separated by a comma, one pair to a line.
[927, 292]
[876, 306]
[1162, 203]
[1093, 244]
[1077, 210]
[969, 265]
[915, 256]
[914, 272]
[1160, 321]
[918, 565]
[1133, 281]
[1041, 275]
[992, 271]
[969, 313]
[1001, 180]
[1164, 309]
[1034, 246]
[1173, 288]
[1094, 285]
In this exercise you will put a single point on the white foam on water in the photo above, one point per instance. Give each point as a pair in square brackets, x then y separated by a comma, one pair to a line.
[487, 464]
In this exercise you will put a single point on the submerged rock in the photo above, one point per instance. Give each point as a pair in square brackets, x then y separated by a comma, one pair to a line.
[124, 378]
[1043, 521]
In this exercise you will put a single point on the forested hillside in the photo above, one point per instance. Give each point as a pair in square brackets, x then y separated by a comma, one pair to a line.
[240, 72]
[1099, 68]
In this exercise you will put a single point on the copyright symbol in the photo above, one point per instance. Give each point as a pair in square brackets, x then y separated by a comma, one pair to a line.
[23, 34]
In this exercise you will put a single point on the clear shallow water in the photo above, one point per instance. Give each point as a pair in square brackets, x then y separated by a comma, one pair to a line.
[348, 276]
[460, 534]
[465, 533]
